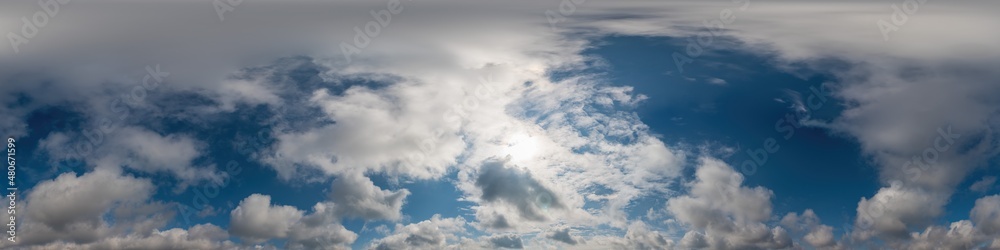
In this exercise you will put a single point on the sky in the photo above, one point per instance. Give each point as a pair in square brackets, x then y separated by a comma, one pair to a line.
[443, 124]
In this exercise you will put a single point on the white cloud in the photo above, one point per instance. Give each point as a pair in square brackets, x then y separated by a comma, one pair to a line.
[138, 149]
[730, 216]
[357, 196]
[821, 236]
[984, 184]
[256, 220]
[638, 236]
[896, 94]
[986, 215]
[892, 209]
[71, 200]
[815, 233]
[202, 236]
[963, 234]
[433, 233]
[960, 235]
[104, 209]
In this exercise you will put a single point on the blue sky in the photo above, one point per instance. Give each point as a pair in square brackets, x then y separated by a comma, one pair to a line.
[502, 126]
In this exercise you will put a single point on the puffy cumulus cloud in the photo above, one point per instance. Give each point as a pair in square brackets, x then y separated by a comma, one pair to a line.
[357, 196]
[138, 149]
[71, 201]
[960, 235]
[815, 233]
[986, 215]
[105, 209]
[892, 209]
[562, 235]
[434, 233]
[980, 230]
[918, 187]
[730, 215]
[638, 235]
[88, 208]
[820, 237]
[507, 241]
[256, 220]
[694, 240]
[320, 230]
[641, 236]
[202, 236]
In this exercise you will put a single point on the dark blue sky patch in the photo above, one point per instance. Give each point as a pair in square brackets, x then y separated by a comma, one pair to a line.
[808, 170]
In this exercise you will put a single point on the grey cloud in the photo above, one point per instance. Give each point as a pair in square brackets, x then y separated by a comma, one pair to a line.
[507, 241]
[499, 223]
[562, 235]
[640, 236]
[203, 236]
[320, 230]
[429, 234]
[694, 240]
[357, 196]
[500, 183]
[811, 230]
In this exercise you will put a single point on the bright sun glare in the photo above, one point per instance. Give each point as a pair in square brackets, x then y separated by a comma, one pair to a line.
[521, 147]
